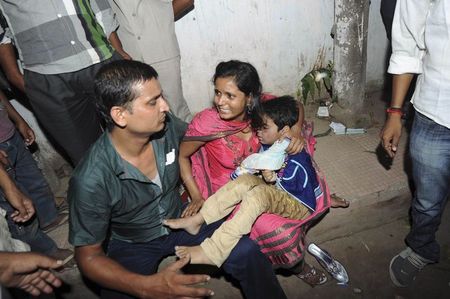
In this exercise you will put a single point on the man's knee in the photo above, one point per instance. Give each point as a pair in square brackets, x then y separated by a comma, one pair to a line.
[245, 250]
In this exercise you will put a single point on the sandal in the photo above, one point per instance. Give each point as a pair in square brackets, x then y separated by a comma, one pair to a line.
[338, 202]
[312, 276]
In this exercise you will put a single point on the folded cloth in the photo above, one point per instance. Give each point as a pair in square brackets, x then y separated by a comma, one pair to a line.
[270, 159]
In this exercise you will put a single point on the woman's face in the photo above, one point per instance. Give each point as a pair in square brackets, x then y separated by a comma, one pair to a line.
[230, 102]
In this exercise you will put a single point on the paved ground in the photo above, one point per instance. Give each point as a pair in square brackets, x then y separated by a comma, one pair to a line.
[363, 237]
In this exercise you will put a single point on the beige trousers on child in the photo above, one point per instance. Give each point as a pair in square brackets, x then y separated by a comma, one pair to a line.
[256, 197]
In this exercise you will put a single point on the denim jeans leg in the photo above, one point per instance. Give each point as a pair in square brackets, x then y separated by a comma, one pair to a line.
[28, 232]
[30, 180]
[141, 258]
[430, 154]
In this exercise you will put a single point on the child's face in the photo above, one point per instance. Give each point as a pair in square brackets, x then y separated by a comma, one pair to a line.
[269, 133]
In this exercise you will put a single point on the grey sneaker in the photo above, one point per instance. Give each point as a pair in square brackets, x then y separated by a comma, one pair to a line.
[405, 266]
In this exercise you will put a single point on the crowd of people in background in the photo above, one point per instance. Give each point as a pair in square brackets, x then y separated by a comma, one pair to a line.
[103, 79]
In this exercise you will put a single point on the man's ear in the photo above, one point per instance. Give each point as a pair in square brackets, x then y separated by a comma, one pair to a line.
[117, 115]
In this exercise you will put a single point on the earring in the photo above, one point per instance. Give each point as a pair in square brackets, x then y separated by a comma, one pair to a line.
[249, 108]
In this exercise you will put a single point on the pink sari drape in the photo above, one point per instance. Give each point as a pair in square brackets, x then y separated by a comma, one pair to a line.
[281, 239]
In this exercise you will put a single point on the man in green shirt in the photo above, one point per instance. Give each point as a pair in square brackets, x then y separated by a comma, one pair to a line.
[125, 187]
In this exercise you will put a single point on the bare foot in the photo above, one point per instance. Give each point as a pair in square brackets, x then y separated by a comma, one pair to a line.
[197, 254]
[190, 224]
[338, 202]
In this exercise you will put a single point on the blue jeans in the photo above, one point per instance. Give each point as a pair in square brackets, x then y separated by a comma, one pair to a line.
[246, 263]
[430, 154]
[29, 179]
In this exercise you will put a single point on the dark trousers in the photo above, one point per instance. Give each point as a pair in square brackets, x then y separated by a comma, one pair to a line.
[64, 105]
[246, 263]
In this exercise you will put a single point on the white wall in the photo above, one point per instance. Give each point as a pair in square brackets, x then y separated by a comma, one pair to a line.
[281, 38]
[377, 49]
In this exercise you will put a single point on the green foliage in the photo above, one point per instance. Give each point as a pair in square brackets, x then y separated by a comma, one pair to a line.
[311, 84]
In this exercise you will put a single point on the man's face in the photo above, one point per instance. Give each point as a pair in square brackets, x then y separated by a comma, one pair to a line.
[148, 110]
[269, 133]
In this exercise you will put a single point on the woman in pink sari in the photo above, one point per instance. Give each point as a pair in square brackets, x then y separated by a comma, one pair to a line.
[216, 142]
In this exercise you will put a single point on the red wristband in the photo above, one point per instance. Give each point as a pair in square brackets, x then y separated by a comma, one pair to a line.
[394, 110]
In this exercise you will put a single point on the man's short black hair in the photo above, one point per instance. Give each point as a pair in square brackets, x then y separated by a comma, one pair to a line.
[115, 85]
[283, 111]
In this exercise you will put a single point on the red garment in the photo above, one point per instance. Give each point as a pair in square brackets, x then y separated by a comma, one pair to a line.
[222, 152]
[281, 239]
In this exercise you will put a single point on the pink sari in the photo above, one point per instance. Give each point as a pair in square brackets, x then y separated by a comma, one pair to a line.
[281, 239]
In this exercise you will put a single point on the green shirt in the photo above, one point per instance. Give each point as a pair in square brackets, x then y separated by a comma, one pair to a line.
[108, 194]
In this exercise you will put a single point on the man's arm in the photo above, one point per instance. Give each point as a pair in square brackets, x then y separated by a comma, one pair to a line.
[9, 65]
[392, 130]
[20, 202]
[168, 283]
[408, 49]
[181, 7]
[117, 45]
[21, 125]
[29, 272]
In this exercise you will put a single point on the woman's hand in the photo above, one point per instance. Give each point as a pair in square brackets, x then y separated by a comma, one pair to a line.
[296, 145]
[297, 141]
[193, 207]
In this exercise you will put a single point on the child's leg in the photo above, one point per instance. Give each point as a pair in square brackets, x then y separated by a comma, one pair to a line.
[218, 205]
[260, 199]
[222, 203]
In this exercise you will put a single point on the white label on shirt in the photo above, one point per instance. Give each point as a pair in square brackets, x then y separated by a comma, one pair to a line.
[170, 157]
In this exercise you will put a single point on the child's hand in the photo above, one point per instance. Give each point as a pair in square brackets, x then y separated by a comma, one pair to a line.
[269, 176]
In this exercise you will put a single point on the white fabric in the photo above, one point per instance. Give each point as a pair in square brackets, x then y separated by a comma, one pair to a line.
[7, 243]
[147, 33]
[270, 159]
[421, 44]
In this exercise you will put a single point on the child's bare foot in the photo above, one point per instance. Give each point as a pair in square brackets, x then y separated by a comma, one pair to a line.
[197, 254]
[190, 224]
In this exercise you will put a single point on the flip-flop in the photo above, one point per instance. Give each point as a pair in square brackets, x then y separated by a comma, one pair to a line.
[339, 202]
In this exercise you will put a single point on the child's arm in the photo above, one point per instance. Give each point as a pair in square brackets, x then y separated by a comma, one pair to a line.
[21, 125]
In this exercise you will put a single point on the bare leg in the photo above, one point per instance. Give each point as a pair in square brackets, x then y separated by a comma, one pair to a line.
[197, 254]
[190, 224]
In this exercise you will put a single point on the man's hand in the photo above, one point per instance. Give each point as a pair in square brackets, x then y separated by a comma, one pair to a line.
[18, 200]
[4, 159]
[29, 272]
[22, 204]
[26, 132]
[170, 283]
[390, 134]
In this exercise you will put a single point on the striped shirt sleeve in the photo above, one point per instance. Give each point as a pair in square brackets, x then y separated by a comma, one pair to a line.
[105, 16]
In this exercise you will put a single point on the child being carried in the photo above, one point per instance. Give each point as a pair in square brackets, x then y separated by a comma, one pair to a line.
[288, 187]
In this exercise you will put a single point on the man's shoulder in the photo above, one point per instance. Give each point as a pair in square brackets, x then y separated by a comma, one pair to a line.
[97, 163]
